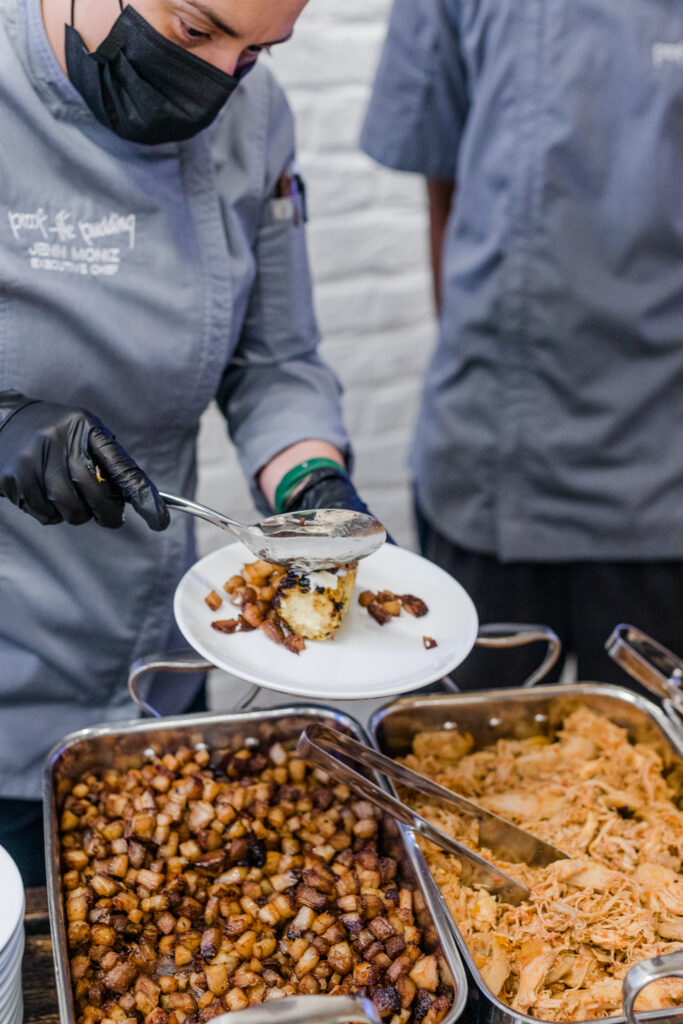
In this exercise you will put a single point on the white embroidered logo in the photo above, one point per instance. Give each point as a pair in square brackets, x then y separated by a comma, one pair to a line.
[61, 246]
[667, 53]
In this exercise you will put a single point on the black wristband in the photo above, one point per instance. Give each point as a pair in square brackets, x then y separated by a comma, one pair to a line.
[326, 488]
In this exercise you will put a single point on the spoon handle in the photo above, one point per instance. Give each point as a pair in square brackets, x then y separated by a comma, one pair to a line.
[193, 508]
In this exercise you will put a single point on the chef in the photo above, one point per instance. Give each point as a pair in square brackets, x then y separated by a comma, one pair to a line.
[152, 258]
[548, 455]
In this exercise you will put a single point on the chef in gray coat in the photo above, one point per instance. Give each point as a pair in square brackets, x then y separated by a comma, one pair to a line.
[548, 454]
[152, 258]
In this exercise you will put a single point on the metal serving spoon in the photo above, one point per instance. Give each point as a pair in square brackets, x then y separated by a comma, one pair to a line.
[322, 1009]
[317, 539]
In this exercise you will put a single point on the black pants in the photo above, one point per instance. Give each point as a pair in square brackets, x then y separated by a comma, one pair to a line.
[21, 824]
[581, 601]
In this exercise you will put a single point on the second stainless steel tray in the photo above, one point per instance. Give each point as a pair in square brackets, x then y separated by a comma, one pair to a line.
[520, 713]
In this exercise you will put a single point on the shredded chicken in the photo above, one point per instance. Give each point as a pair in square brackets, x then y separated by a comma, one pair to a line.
[611, 806]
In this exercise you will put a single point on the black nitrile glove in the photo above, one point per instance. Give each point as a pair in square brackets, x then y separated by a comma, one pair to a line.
[328, 488]
[49, 458]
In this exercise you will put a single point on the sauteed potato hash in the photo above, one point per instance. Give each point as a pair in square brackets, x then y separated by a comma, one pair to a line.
[205, 882]
[606, 802]
[291, 607]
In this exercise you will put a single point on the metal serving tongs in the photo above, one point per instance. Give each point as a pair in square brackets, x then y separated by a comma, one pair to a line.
[307, 1010]
[648, 662]
[311, 539]
[325, 747]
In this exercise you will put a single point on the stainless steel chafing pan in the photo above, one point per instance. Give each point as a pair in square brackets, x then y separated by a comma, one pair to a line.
[521, 713]
[125, 745]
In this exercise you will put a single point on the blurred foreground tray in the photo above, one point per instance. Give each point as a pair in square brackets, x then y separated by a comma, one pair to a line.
[40, 993]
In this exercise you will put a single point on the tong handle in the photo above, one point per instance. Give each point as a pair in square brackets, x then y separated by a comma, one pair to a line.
[643, 974]
[649, 663]
[307, 1010]
[312, 746]
[343, 744]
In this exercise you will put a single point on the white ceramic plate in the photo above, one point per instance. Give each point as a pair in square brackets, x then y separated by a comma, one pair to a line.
[9, 1007]
[14, 1012]
[10, 970]
[364, 659]
[12, 951]
[11, 898]
[10, 983]
[11, 980]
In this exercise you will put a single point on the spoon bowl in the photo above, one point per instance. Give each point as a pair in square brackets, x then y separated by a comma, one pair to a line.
[311, 539]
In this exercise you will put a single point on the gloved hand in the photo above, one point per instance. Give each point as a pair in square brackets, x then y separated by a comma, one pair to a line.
[328, 488]
[49, 458]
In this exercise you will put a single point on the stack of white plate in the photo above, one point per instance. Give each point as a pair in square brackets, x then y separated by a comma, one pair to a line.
[11, 940]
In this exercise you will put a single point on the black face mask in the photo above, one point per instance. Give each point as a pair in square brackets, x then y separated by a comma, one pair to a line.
[144, 87]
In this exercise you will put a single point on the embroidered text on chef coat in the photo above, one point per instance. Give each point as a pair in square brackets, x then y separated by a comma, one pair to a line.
[61, 243]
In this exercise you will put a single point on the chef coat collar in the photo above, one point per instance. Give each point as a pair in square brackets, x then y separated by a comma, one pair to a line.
[54, 87]
[52, 84]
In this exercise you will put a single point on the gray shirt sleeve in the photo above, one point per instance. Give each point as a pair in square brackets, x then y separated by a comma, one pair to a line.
[419, 100]
[276, 390]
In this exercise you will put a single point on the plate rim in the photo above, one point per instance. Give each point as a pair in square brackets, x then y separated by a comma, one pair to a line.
[11, 875]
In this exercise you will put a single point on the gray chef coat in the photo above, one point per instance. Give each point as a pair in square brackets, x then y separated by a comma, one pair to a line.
[138, 282]
[551, 426]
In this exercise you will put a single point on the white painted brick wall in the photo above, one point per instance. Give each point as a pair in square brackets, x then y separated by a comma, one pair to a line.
[367, 240]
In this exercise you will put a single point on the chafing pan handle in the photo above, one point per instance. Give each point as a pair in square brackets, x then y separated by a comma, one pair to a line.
[306, 1010]
[648, 662]
[513, 634]
[183, 660]
[643, 974]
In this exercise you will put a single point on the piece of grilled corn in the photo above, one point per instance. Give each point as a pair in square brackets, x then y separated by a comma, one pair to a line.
[313, 604]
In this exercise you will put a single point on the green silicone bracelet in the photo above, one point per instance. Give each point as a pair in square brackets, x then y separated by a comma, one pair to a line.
[295, 475]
